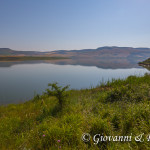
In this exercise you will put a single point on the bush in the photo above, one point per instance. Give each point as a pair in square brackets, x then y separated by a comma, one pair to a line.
[58, 91]
[129, 93]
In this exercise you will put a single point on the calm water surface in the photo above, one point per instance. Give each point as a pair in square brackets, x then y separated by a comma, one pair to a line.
[20, 82]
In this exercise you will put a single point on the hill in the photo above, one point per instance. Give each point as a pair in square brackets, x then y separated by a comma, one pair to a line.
[101, 52]
[106, 52]
[102, 57]
[8, 51]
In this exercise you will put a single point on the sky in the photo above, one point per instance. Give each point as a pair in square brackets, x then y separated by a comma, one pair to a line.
[45, 25]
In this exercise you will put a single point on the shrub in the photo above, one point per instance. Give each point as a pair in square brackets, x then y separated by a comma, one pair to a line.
[58, 91]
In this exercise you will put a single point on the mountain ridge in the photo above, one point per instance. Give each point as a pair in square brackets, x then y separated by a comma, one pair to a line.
[99, 53]
[99, 48]
[102, 57]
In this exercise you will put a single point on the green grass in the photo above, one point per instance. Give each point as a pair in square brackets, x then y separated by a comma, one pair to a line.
[25, 58]
[145, 62]
[119, 107]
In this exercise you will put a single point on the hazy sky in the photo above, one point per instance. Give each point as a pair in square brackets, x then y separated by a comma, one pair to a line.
[74, 24]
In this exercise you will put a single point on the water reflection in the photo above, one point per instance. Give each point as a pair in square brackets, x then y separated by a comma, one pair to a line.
[20, 80]
[100, 63]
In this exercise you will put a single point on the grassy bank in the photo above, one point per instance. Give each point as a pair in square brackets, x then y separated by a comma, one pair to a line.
[25, 58]
[145, 62]
[117, 108]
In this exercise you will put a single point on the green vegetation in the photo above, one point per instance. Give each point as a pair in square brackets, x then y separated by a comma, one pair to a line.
[24, 58]
[116, 108]
[59, 92]
[145, 62]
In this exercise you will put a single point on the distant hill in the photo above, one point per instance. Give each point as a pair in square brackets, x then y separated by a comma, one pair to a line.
[107, 52]
[8, 51]
[102, 57]
[113, 52]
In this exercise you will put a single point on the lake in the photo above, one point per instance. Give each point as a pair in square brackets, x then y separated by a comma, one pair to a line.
[19, 82]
